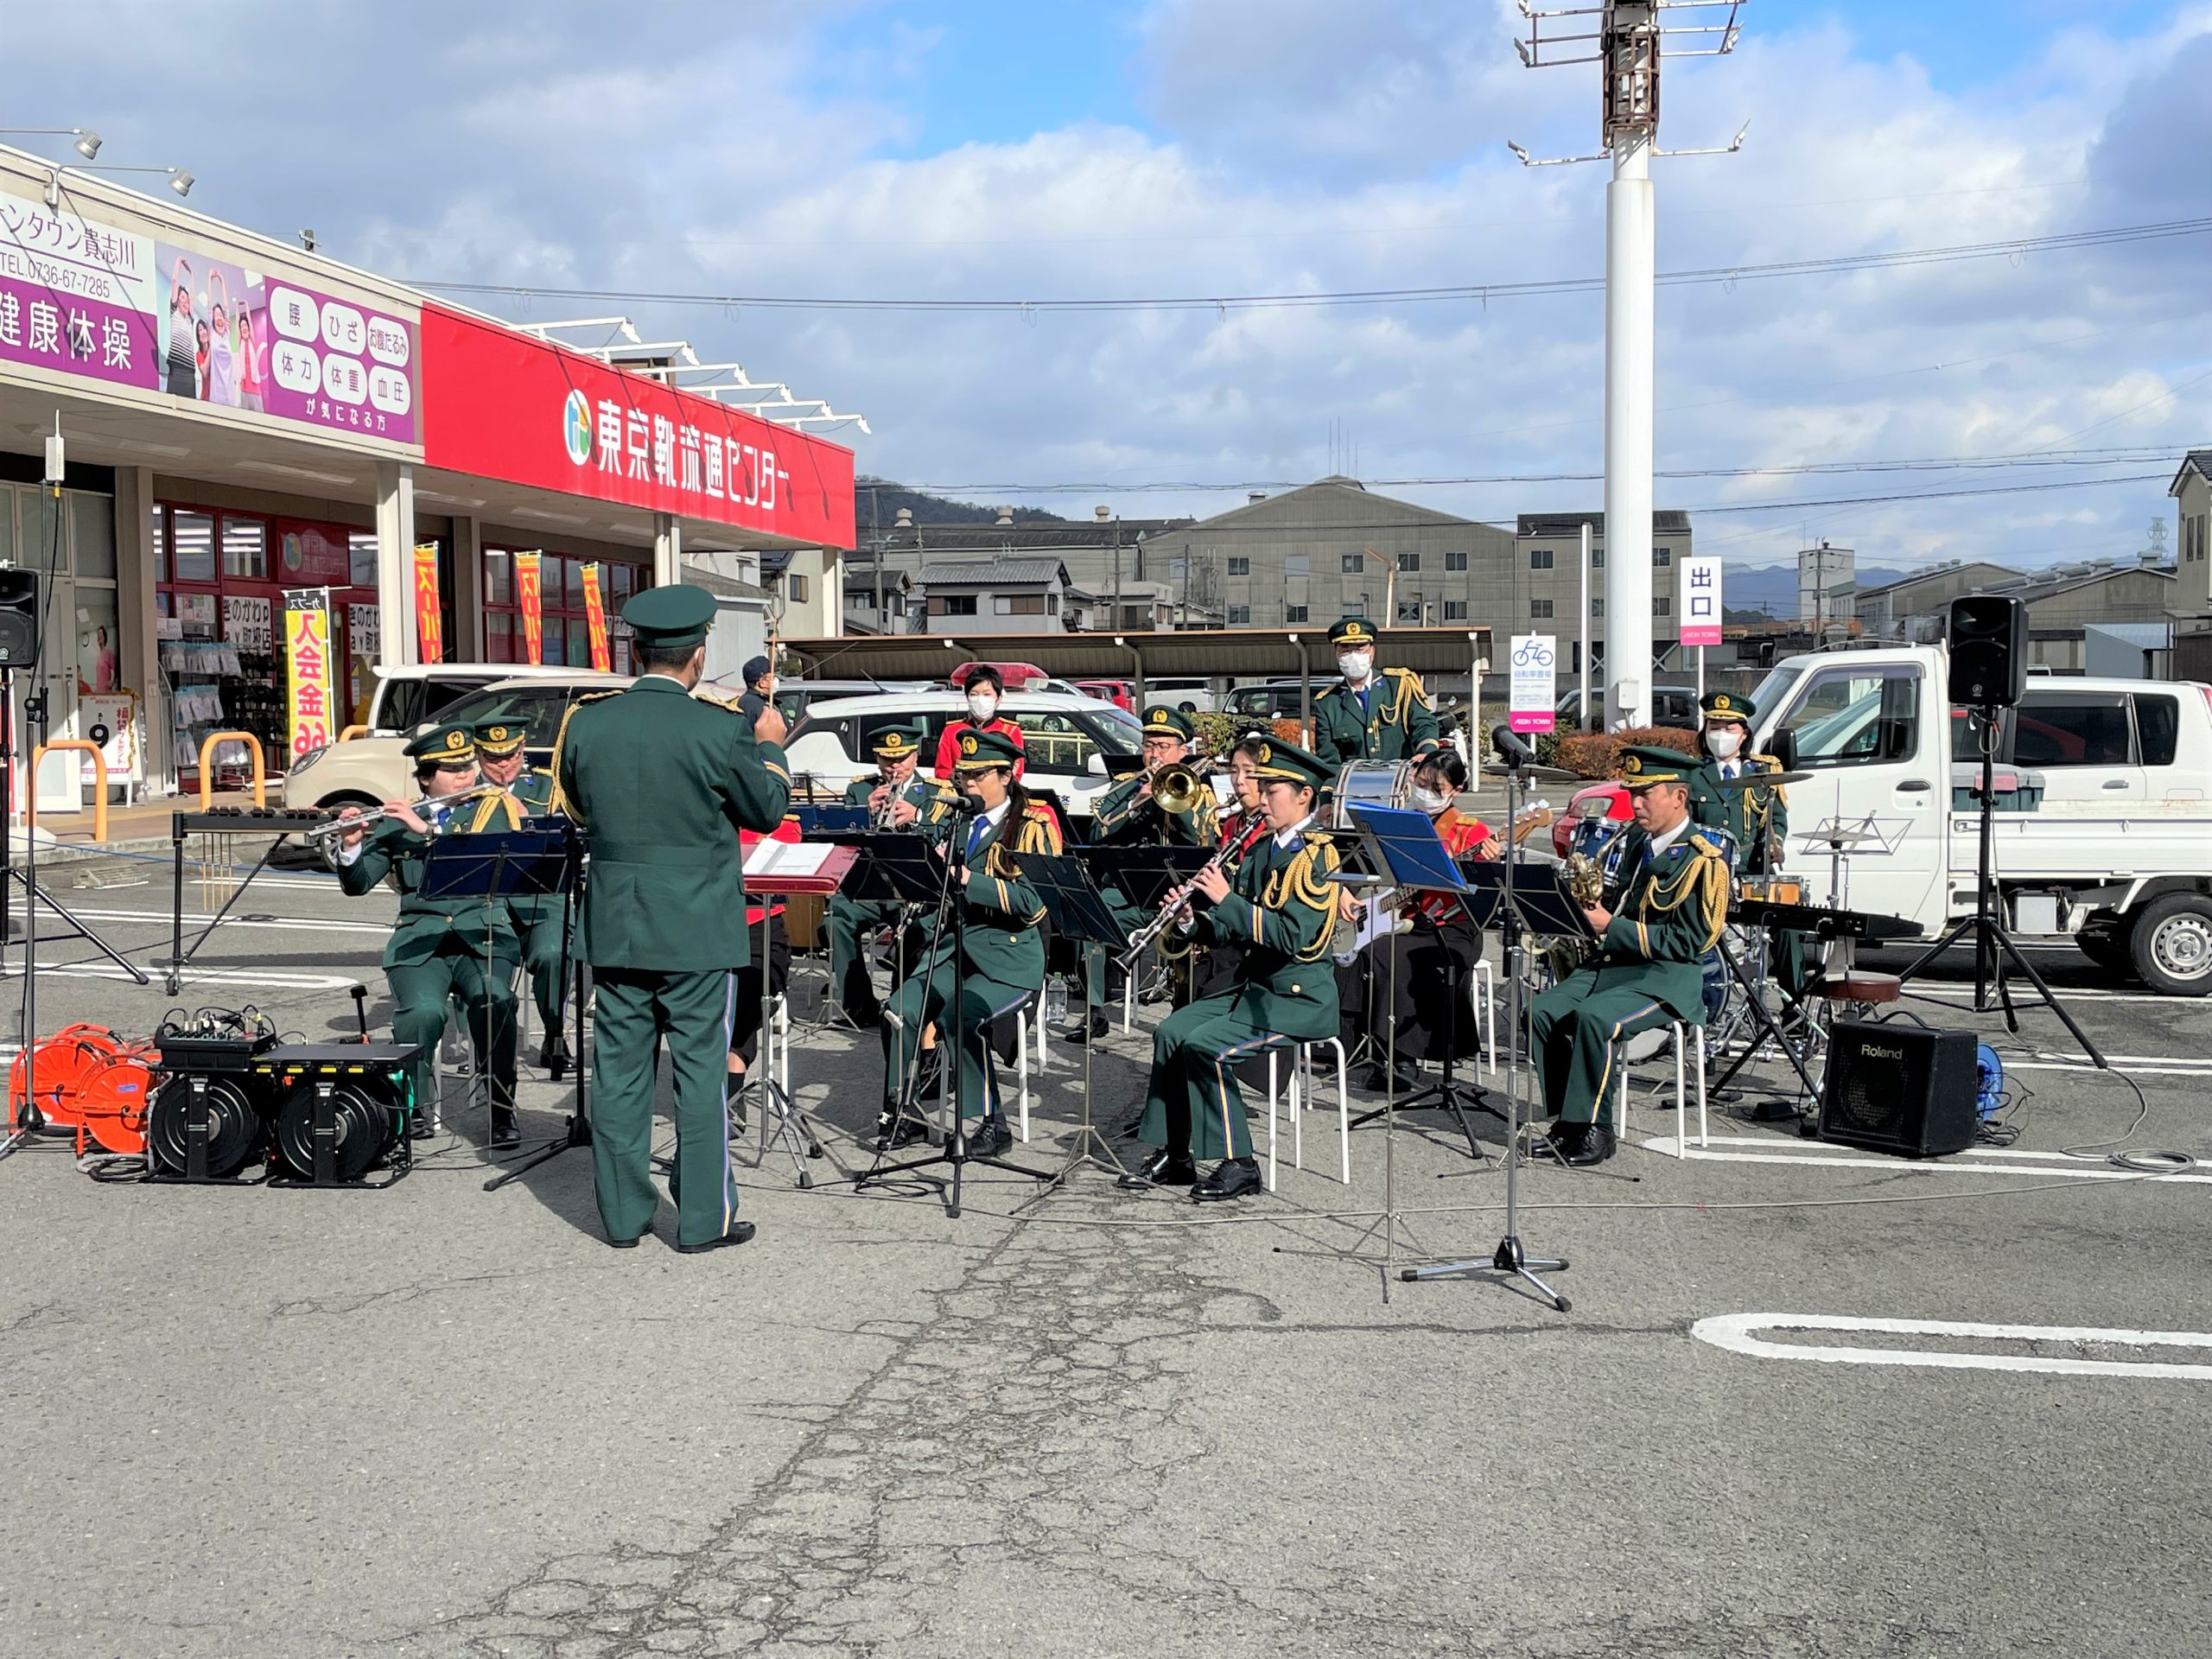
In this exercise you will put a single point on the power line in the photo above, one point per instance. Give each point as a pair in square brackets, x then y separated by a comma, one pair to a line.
[2012, 248]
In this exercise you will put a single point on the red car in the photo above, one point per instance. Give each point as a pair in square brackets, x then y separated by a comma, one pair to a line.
[1121, 693]
[1614, 794]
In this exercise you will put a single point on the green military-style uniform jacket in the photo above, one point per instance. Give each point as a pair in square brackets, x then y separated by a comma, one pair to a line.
[1280, 908]
[1394, 721]
[661, 782]
[850, 920]
[932, 799]
[392, 854]
[1121, 817]
[1756, 819]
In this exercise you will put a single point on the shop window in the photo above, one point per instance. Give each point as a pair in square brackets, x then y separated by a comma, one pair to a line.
[361, 555]
[579, 643]
[572, 582]
[498, 577]
[192, 546]
[45, 546]
[92, 532]
[499, 643]
[246, 548]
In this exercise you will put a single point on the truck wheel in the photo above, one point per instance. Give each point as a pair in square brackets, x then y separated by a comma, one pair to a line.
[2171, 944]
[2106, 944]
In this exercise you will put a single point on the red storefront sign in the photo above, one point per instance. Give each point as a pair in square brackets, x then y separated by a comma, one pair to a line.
[430, 630]
[501, 404]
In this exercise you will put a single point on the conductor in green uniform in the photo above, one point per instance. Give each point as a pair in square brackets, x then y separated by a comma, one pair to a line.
[1664, 904]
[538, 918]
[1002, 960]
[1371, 714]
[908, 803]
[661, 782]
[1129, 814]
[1279, 907]
[443, 949]
[1756, 815]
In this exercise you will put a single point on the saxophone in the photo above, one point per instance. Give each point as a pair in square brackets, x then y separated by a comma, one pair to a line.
[1585, 879]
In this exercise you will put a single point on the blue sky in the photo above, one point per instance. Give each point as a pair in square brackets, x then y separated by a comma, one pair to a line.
[1198, 146]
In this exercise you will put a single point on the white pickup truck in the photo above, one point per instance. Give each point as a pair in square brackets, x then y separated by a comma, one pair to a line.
[2106, 837]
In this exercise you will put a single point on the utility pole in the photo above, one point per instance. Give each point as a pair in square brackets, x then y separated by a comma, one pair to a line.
[1623, 37]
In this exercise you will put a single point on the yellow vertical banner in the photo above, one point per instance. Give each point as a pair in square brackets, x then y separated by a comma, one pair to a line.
[430, 631]
[595, 619]
[311, 689]
[530, 600]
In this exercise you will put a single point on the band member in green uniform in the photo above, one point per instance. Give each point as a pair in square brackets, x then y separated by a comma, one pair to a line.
[1280, 909]
[1371, 714]
[661, 782]
[898, 798]
[1001, 959]
[1129, 814]
[501, 759]
[1757, 818]
[443, 949]
[1664, 904]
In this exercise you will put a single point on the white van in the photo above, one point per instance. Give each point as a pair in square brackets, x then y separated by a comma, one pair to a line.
[2106, 839]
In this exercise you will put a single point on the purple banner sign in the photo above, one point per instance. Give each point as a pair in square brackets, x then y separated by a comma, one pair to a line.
[74, 297]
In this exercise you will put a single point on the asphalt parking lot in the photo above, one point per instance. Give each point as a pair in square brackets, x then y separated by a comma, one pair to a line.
[436, 1421]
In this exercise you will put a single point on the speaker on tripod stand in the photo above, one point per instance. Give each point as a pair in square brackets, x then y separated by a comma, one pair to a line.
[1989, 651]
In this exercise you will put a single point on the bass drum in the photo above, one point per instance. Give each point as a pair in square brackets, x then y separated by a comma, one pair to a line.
[1369, 783]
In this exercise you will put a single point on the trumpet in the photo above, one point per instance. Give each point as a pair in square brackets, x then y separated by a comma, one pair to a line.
[1227, 859]
[885, 815]
[426, 807]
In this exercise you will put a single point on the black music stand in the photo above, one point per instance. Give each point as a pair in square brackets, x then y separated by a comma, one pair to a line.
[794, 1130]
[1403, 845]
[1522, 897]
[496, 866]
[1144, 874]
[1078, 913]
[915, 858]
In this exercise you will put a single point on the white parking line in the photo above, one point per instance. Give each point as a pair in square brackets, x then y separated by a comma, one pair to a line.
[1988, 1160]
[2025, 994]
[1735, 1331]
[269, 978]
[192, 922]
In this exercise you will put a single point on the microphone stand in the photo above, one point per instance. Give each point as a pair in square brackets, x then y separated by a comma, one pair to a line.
[1510, 1257]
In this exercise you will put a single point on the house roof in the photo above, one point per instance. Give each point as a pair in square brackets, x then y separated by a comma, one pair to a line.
[1665, 521]
[2196, 461]
[1938, 573]
[1347, 506]
[1023, 537]
[994, 573]
[2050, 584]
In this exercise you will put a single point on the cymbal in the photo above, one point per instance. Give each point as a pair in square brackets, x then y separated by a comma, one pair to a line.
[1759, 779]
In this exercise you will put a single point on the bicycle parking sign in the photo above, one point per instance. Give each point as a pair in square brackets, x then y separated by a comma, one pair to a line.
[1534, 683]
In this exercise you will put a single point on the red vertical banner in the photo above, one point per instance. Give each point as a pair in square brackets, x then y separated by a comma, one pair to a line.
[429, 632]
[530, 601]
[595, 619]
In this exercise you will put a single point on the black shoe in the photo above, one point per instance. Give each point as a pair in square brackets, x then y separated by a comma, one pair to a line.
[553, 1053]
[1088, 1031]
[1775, 1111]
[421, 1128]
[929, 1077]
[1163, 1169]
[893, 1132]
[1377, 1081]
[504, 1131]
[622, 1243]
[741, 1232]
[990, 1138]
[1595, 1145]
[1232, 1178]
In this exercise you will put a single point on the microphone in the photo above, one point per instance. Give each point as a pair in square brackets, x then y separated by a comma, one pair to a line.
[1509, 746]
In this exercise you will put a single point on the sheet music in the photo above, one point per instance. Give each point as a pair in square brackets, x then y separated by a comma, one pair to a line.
[787, 857]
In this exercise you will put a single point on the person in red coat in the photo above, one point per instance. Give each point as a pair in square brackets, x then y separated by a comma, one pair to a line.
[986, 693]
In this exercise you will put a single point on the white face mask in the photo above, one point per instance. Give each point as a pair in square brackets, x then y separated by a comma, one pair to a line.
[1430, 801]
[982, 705]
[1355, 664]
[1723, 744]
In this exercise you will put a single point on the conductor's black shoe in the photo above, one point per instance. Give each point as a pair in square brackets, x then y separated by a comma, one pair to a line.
[1232, 1178]
[1163, 1169]
[622, 1243]
[990, 1138]
[1084, 1031]
[740, 1232]
[1594, 1147]
[504, 1131]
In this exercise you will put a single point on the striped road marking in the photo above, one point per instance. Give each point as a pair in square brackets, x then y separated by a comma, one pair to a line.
[268, 978]
[1737, 1334]
[1985, 1160]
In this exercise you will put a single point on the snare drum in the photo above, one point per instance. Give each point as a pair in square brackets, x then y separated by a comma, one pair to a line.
[1370, 782]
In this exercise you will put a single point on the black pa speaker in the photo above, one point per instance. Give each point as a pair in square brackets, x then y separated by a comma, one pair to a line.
[1896, 1087]
[18, 617]
[1989, 651]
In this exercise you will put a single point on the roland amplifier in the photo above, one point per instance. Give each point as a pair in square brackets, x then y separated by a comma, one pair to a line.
[1898, 1086]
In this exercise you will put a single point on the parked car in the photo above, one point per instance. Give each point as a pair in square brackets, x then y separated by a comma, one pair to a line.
[1067, 736]
[1671, 705]
[366, 771]
[1274, 700]
[408, 695]
[1123, 693]
[792, 697]
[1193, 696]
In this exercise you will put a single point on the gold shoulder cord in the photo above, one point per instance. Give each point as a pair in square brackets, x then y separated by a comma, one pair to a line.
[1705, 875]
[1302, 881]
[561, 803]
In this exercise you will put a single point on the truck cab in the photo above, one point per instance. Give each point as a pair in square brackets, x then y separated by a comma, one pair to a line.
[2103, 832]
